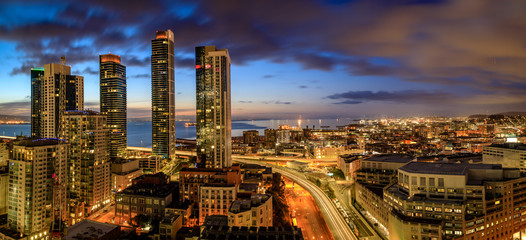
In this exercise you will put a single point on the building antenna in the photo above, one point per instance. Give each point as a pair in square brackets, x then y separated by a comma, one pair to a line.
[63, 60]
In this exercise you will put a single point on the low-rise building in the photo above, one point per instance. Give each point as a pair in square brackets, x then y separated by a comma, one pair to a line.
[89, 229]
[143, 199]
[255, 212]
[216, 199]
[123, 171]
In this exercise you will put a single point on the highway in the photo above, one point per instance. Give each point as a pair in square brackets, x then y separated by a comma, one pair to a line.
[339, 228]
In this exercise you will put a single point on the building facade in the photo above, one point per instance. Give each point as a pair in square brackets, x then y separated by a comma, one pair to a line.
[216, 199]
[38, 184]
[53, 91]
[255, 212]
[511, 155]
[456, 201]
[113, 101]
[88, 163]
[163, 94]
[213, 120]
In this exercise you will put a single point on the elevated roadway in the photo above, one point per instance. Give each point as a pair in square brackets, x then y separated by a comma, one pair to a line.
[339, 228]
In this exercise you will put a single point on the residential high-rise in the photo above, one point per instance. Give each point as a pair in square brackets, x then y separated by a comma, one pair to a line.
[89, 177]
[214, 146]
[37, 176]
[163, 94]
[113, 101]
[53, 91]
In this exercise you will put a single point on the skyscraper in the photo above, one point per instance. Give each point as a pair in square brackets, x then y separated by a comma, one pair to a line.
[163, 95]
[113, 101]
[53, 91]
[89, 168]
[212, 70]
[37, 173]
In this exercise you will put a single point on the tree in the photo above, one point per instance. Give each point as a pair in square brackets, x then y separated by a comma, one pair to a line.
[280, 209]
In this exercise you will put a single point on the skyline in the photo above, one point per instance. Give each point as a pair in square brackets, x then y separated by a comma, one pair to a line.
[311, 59]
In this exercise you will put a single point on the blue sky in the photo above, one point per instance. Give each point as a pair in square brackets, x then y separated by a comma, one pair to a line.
[308, 58]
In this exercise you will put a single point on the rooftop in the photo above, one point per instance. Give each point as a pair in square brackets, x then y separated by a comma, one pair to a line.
[37, 142]
[394, 158]
[445, 168]
[516, 146]
[90, 229]
[256, 200]
[151, 190]
[85, 112]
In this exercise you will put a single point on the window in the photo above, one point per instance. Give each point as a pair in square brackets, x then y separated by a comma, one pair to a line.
[431, 181]
[422, 181]
[413, 181]
[440, 182]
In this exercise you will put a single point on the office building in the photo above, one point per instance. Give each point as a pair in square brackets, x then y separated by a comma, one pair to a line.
[123, 171]
[163, 95]
[213, 122]
[113, 101]
[512, 155]
[38, 186]
[88, 163]
[456, 201]
[53, 91]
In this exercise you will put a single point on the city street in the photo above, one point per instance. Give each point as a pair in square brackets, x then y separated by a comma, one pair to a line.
[307, 214]
[339, 227]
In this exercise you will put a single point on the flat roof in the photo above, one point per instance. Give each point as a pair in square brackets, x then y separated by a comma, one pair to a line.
[89, 228]
[395, 158]
[445, 168]
[516, 146]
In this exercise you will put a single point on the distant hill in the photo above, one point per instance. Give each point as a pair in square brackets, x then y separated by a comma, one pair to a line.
[501, 114]
[15, 118]
[513, 114]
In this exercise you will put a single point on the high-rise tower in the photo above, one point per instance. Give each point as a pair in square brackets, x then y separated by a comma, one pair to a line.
[88, 165]
[163, 95]
[113, 101]
[53, 91]
[37, 176]
[212, 70]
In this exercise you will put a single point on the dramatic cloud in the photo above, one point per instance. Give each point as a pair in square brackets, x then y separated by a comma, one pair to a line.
[407, 96]
[19, 108]
[476, 46]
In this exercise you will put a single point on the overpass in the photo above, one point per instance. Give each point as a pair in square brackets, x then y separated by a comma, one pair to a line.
[337, 224]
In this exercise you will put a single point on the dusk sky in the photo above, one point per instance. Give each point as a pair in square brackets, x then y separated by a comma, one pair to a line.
[290, 58]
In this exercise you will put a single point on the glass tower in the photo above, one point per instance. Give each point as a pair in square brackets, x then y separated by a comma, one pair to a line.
[213, 128]
[113, 101]
[163, 95]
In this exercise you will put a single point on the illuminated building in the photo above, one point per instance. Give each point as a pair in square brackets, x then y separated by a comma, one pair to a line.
[255, 212]
[37, 175]
[512, 155]
[123, 171]
[215, 199]
[251, 137]
[113, 101]
[456, 201]
[213, 126]
[163, 95]
[143, 199]
[270, 138]
[53, 91]
[89, 167]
